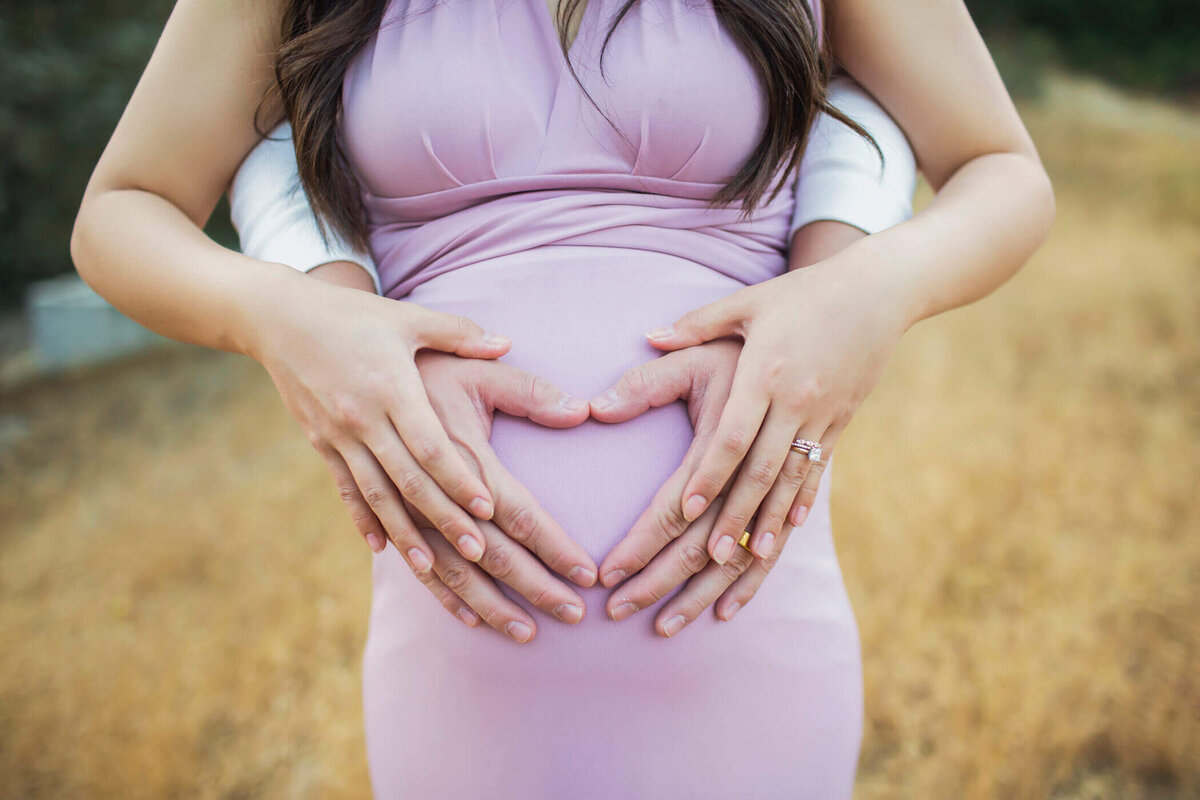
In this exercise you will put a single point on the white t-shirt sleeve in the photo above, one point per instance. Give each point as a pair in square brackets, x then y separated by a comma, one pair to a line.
[271, 214]
[840, 177]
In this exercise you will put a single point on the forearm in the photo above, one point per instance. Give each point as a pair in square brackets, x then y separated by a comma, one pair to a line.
[152, 262]
[982, 226]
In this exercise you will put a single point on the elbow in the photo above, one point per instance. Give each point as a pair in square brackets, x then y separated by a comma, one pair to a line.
[1041, 199]
[78, 243]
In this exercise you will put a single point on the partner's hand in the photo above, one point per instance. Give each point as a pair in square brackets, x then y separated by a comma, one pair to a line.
[815, 343]
[662, 550]
[465, 394]
[343, 361]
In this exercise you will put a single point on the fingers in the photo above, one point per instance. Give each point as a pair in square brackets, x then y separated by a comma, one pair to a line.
[660, 524]
[522, 518]
[812, 481]
[523, 394]
[758, 473]
[449, 600]
[740, 421]
[431, 473]
[452, 333]
[742, 590]
[650, 385]
[705, 588]
[513, 565]
[477, 590]
[371, 484]
[361, 515]
[772, 512]
[725, 317]
[685, 556]
[518, 513]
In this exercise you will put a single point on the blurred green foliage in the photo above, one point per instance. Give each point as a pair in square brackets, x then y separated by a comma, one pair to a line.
[69, 66]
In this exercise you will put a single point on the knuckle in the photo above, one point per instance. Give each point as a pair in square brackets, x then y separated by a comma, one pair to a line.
[376, 496]
[457, 577]
[761, 475]
[425, 449]
[808, 390]
[734, 441]
[499, 561]
[521, 524]
[348, 412]
[494, 616]
[693, 557]
[410, 483]
[669, 519]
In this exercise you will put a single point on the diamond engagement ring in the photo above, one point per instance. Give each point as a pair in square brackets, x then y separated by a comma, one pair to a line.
[809, 448]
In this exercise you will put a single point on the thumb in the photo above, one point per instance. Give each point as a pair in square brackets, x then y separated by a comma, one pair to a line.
[452, 333]
[725, 317]
[655, 383]
[522, 394]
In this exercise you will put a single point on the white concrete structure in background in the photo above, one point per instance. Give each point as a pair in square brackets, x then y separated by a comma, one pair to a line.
[69, 325]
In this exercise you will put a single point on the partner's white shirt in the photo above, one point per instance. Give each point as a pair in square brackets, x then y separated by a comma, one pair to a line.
[840, 178]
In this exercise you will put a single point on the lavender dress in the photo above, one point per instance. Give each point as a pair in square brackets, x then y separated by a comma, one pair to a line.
[495, 190]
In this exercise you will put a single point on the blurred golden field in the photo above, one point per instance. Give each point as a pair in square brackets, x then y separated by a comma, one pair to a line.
[183, 599]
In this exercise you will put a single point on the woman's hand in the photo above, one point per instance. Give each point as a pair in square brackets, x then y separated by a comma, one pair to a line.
[815, 343]
[343, 361]
[662, 550]
[465, 394]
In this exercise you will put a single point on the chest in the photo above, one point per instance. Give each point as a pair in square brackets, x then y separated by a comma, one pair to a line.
[451, 92]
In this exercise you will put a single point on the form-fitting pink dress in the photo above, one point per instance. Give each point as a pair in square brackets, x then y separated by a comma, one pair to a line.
[496, 191]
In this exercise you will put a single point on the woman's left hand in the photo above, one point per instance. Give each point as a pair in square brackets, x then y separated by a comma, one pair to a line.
[816, 340]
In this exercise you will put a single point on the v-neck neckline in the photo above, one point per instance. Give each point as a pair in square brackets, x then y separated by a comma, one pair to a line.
[546, 20]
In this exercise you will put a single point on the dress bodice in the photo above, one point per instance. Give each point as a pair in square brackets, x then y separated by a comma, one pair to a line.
[471, 138]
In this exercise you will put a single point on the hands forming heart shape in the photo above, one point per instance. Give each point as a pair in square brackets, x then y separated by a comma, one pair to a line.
[399, 401]
[524, 544]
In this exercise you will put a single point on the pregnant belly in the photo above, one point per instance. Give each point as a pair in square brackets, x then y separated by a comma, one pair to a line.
[543, 711]
[577, 316]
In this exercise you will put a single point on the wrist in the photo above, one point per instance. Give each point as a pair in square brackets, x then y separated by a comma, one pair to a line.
[261, 308]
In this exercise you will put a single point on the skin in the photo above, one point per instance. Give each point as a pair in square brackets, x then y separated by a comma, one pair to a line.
[815, 340]
[346, 362]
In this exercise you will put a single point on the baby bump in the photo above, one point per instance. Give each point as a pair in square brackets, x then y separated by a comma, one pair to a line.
[577, 316]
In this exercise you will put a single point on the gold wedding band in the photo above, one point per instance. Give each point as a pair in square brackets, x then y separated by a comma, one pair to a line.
[745, 540]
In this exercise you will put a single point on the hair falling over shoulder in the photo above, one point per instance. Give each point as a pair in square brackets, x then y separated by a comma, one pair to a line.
[321, 37]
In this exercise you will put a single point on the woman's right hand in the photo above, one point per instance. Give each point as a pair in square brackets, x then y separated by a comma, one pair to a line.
[343, 361]
[522, 538]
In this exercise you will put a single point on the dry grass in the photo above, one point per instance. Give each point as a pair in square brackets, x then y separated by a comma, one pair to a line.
[184, 603]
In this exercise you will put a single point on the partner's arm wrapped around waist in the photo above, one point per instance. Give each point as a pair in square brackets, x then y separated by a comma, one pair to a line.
[272, 215]
[841, 177]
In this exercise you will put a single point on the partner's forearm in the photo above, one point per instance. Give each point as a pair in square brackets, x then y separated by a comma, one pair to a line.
[980, 229]
[820, 240]
[147, 258]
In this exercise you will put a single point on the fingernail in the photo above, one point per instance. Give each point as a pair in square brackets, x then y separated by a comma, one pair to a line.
[518, 631]
[375, 542]
[624, 610]
[660, 333]
[613, 577]
[694, 507]
[799, 515]
[733, 609]
[496, 338]
[582, 576]
[605, 400]
[674, 624]
[724, 549]
[420, 561]
[572, 403]
[569, 612]
[469, 547]
[481, 507]
[468, 616]
[768, 542]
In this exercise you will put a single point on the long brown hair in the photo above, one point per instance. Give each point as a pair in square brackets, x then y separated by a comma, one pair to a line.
[321, 37]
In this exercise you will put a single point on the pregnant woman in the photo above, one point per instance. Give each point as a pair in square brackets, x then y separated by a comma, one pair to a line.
[500, 193]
